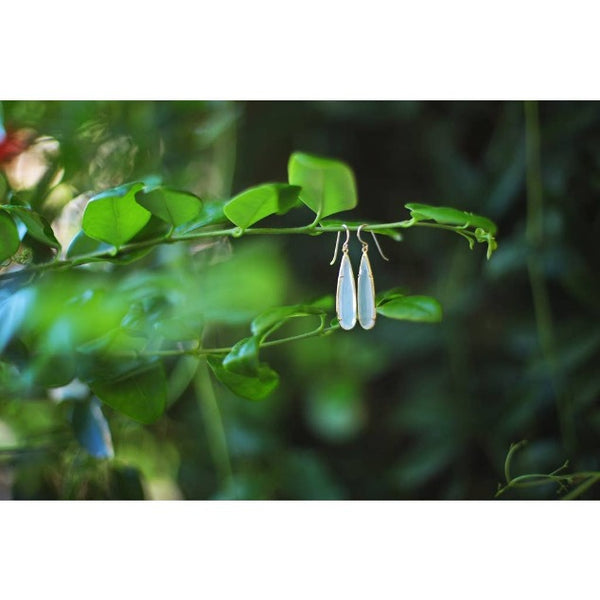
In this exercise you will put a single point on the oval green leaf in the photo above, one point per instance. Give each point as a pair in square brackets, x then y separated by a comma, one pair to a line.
[261, 201]
[172, 206]
[391, 294]
[243, 358]
[37, 226]
[277, 316]
[412, 308]
[9, 236]
[450, 216]
[325, 303]
[251, 388]
[141, 396]
[328, 186]
[82, 245]
[51, 370]
[114, 216]
[210, 214]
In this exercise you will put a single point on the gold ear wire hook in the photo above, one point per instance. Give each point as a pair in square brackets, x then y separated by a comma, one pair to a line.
[366, 246]
[337, 243]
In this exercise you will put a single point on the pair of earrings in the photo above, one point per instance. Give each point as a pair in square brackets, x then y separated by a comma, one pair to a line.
[347, 303]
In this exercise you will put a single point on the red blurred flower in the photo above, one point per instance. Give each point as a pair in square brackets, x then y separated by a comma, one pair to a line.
[12, 143]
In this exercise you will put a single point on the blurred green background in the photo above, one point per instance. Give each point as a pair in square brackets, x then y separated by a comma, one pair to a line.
[405, 411]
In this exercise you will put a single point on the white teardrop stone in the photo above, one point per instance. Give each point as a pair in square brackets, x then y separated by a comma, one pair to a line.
[346, 295]
[366, 294]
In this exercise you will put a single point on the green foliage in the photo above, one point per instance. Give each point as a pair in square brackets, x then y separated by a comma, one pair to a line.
[270, 320]
[328, 185]
[156, 284]
[411, 308]
[141, 395]
[256, 386]
[37, 226]
[114, 216]
[484, 230]
[83, 244]
[211, 213]
[450, 216]
[9, 236]
[138, 323]
[172, 206]
[259, 202]
[571, 485]
[243, 358]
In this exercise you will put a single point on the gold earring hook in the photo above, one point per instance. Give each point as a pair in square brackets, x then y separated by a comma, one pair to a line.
[366, 246]
[337, 243]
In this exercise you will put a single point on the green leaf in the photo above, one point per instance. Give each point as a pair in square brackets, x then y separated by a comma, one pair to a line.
[178, 328]
[243, 357]
[328, 186]
[450, 216]
[53, 363]
[210, 214]
[112, 342]
[114, 216]
[9, 236]
[393, 233]
[391, 294]
[172, 206]
[37, 226]
[251, 388]
[91, 428]
[412, 308]
[325, 303]
[277, 316]
[82, 245]
[53, 370]
[154, 229]
[141, 396]
[259, 202]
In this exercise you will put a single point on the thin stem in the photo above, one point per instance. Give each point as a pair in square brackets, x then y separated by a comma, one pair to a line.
[528, 480]
[539, 291]
[584, 487]
[215, 432]
[513, 448]
[535, 479]
[234, 232]
[200, 352]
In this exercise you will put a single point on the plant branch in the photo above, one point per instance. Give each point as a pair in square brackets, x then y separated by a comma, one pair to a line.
[321, 330]
[535, 479]
[233, 232]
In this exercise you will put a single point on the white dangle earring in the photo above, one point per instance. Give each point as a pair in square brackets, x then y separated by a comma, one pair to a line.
[345, 296]
[367, 312]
